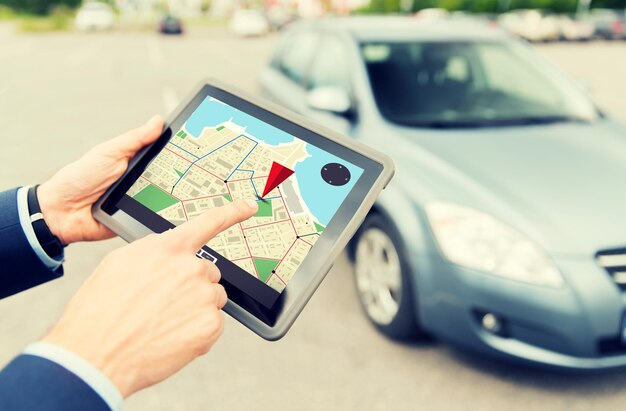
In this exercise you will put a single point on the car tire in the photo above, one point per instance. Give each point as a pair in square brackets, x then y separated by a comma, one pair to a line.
[383, 279]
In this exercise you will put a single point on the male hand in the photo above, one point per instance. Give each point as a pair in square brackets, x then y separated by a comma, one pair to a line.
[152, 306]
[66, 198]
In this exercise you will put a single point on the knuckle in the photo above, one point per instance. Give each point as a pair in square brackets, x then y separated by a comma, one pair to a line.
[217, 292]
[214, 295]
[221, 298]
[214, 272]
[183, 268]
[220, 324]
[193, 267]
[220, 291]
[210, 294]
[201, 268]
[204, 346]
[212, 327]
[205, 343]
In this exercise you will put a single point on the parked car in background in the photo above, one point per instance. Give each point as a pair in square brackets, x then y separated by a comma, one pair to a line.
[482, 18]
[432, 14]
[94, 16]
[171, 25]
[249, 22]
[573, 29]
[279, 17]
[504, 229]
[531, 25]
[608, 24]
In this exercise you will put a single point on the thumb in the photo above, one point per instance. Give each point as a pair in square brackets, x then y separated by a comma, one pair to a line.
[129, 143]
[197, 232]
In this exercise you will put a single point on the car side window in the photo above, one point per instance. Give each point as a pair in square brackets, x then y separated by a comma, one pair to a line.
[297, 54]
[330, 67]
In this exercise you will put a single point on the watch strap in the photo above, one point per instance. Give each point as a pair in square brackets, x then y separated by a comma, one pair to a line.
[48, 241]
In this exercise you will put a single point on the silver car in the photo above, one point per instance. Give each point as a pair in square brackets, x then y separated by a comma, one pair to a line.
[504, 230]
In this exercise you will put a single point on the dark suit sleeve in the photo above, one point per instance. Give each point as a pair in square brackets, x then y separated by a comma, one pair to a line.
[31, 383]
[20, 268]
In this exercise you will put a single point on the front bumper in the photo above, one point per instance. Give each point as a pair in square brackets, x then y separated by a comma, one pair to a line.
[565, 328]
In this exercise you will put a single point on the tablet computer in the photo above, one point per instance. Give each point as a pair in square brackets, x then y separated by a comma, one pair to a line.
[314, 188]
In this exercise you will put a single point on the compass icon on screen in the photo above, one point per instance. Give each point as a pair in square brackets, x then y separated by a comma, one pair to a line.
[335, 174]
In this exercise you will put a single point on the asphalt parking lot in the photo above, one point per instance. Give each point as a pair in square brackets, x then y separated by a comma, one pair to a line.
[62, 93]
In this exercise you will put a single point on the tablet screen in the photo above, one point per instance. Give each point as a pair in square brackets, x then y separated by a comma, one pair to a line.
[221, 154]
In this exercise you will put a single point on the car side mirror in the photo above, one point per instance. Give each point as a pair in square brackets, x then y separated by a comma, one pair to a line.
[332, 99]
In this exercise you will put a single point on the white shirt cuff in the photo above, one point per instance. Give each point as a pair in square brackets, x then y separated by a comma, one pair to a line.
[24, 214]
[82, 369]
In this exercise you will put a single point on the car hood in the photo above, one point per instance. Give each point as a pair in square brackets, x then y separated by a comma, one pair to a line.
[563, 184]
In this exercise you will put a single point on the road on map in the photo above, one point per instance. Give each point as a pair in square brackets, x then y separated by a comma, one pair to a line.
[61, 94]
[230, 160]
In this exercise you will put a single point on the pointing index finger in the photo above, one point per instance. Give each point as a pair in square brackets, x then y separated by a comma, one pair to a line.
[200, 230]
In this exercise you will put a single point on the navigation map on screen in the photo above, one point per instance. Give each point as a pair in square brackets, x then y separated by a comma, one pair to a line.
[222, 154]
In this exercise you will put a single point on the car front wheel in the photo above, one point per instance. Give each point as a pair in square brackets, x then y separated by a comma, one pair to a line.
[383, 282]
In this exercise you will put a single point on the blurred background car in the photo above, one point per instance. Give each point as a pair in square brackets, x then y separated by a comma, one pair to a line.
[279, 17]
[94, 16]
[531, 25]
[503, 231]
[248, 23]
[432, 14]
[574, 29]
[171, 25]
[608, 24]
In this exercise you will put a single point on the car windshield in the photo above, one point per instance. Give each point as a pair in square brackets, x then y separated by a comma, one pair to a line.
[468, 84]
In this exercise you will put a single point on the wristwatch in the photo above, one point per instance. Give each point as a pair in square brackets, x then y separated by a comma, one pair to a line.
[48, 241]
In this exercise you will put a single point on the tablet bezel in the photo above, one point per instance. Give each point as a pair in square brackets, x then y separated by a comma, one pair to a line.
[269, 323]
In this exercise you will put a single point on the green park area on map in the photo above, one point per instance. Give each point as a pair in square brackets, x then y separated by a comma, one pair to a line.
[265, 267]
[154, 198]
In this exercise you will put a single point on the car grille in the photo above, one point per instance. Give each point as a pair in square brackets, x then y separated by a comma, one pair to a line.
[614, 261]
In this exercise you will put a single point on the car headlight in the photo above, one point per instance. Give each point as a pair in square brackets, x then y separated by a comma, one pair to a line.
[476, 240]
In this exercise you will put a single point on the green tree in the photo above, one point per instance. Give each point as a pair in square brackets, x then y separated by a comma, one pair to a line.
[482, 6]
[560, 6]
[39, 7]
[486, 6]
[609, 4]
[383, 7]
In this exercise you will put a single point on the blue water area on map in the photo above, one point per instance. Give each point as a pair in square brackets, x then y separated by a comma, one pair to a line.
[212, 112]
[323, 199]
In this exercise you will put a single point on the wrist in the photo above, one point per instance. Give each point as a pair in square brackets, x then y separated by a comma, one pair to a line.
[81, 368]
[118, 372]
[52, 214]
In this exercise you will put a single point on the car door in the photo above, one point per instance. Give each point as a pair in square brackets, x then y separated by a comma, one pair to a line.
[283, 81]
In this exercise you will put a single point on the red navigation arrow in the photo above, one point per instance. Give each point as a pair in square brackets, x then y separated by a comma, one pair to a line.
[278, 174]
